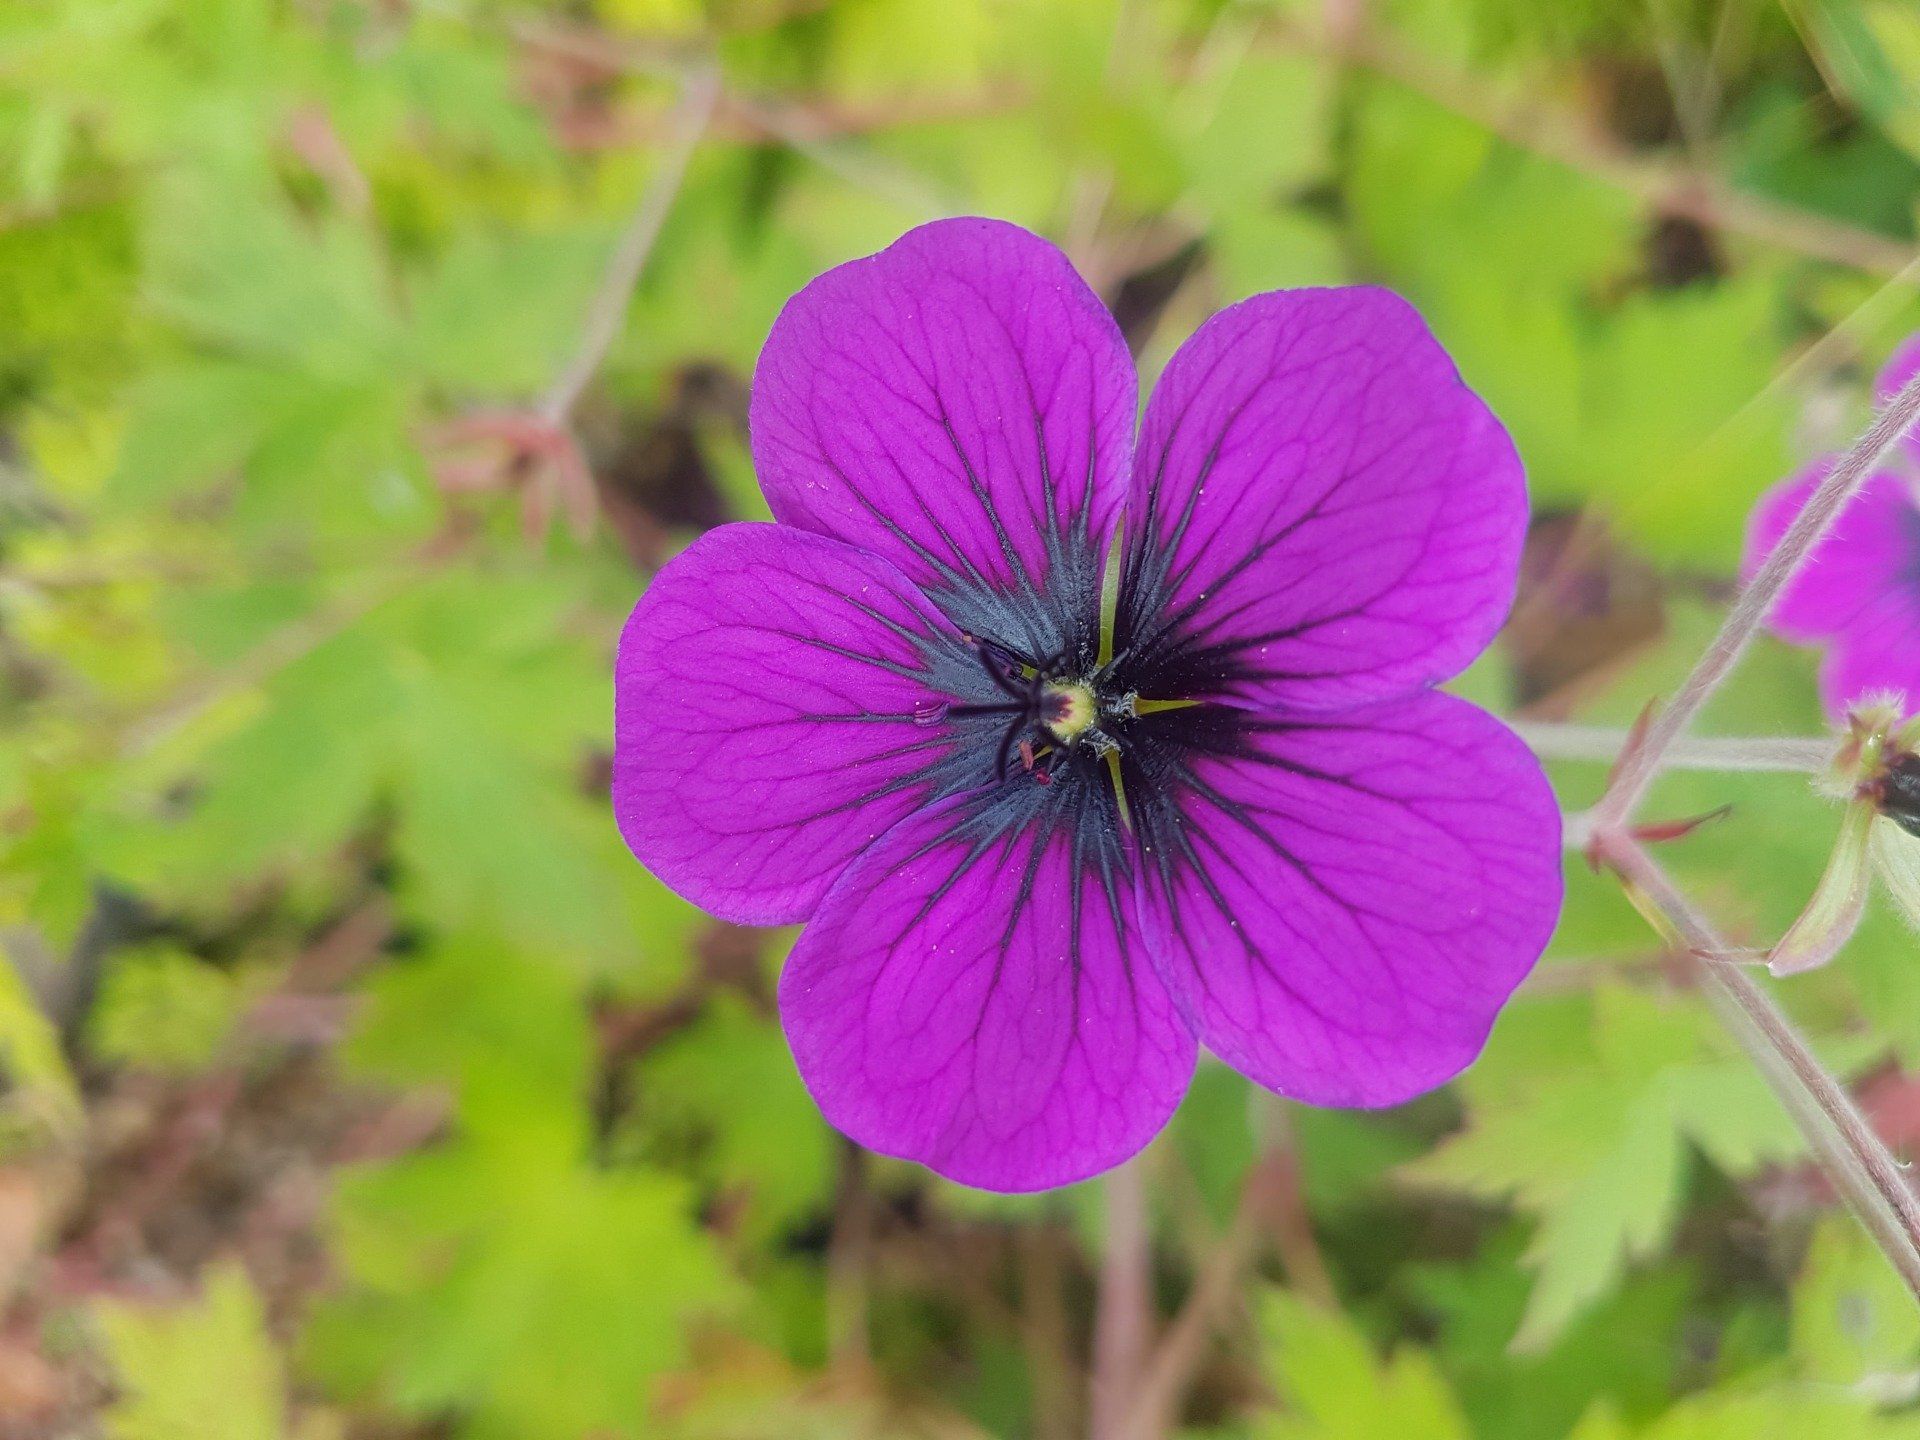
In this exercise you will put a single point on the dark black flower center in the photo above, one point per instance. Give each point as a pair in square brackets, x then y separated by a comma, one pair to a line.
[1065, 714]
[1049, 712]
[1065, 739]
[1899, 793]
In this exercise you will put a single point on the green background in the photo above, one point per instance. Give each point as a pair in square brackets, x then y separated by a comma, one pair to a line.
[357, 1082]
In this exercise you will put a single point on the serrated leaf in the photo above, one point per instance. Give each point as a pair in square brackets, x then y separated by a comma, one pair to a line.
[161, 1007]
[727, 1088]
[1334, 1387]
[502, 1270]
[202, 1371]
[1590, 1135]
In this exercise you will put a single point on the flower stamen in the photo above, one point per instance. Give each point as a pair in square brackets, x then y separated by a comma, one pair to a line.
[1070, 709]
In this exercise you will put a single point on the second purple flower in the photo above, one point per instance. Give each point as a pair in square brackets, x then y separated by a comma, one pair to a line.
[1042, 859]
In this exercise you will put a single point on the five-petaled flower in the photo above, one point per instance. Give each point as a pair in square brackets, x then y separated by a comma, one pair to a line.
[1858, 593]
[1042, 858]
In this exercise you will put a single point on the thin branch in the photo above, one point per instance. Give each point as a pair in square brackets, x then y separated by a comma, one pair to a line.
[849, 1263]
[1641, 764]
[811, 136]
[1046, 1326]
[1673, 189]
[609, 308]
[1780, 754]
[1125, 1307]
[1852, 1154]
[1271, 1205]
[144, 734]
[1170, 1369]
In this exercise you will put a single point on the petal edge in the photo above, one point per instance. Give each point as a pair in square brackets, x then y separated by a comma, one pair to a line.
[1344, 904]
[765, 697]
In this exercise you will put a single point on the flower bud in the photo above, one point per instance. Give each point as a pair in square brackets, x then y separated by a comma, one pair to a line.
[1838, 902]
[1876, 772]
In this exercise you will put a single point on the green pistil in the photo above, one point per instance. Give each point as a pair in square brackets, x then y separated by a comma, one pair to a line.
[1070, 710]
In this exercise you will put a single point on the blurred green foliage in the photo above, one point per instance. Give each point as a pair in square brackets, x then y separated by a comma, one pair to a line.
[302, 813]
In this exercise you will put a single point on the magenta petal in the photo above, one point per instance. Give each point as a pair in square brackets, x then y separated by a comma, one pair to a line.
[1872, 549]
[960, 403]
[974, 999]
[1344, 904]
[1878, 653]
[1322, 513]
[767, 708]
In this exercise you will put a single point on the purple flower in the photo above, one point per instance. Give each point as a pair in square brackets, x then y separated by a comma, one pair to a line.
[1040, 864]
[1858, 592]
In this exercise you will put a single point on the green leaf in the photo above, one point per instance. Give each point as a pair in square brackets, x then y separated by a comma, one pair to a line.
[497, 317]
[288, 787]
[1872, 51]
[503, 1272]
[1586, 1123]
[161, 1007]
[1780, 1410]
[725, 1090]
[1334, 1387]
[895, 46]
[1266, 136]
[505, 1031]
[42, 1093]
[516, 1283]
[1854, 1321]
[1628, 1349]
[236, 267]
[204, 1371]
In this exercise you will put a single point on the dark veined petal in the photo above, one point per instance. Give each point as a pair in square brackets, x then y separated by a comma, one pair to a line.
[768, 695]
[963, 404]
[1322, 513]
[1342, 904]
[973, 996]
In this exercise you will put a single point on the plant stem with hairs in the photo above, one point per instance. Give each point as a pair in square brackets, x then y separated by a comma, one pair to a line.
[1872, 1181]
[1851, 1153]
[1778, 754]
[1640, 764]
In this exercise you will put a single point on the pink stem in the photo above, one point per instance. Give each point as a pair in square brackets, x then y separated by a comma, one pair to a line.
[1640, 764]
[609, 308]
[1125, 1305]
[1852, 1154]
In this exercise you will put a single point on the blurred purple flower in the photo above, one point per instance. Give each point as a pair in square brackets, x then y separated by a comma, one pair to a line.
[1858, 593]
[1039, 866]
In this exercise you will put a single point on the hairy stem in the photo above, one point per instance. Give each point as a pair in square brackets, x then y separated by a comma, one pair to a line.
[1640, 764]
[1788, 754]
[1853, 1156]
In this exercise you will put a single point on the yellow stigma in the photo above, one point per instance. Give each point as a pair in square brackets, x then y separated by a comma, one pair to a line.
[1070, 710]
